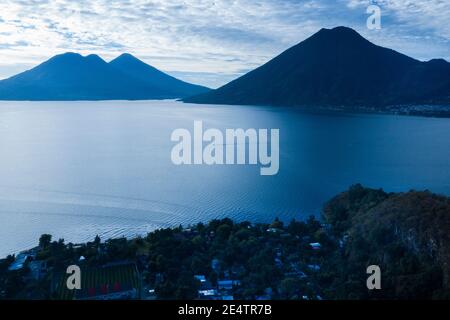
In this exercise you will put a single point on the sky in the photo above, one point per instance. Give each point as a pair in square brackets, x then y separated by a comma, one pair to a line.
[208, 42]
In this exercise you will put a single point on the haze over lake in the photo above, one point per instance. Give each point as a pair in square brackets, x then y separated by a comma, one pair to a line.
[78, 169]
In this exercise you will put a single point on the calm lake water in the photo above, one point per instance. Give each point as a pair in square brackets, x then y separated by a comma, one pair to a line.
[77, 169]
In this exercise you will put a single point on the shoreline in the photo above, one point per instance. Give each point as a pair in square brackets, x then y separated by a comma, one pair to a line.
[418, 110]
[224, 259]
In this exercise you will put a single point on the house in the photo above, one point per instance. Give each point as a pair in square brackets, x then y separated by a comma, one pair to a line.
[225, 284]
[207, 293]
[19, 262]
[200, 278]
[149, 293]
[278, 262]
[314, 267]
[228, 284]
[326, 226]
[315, 245]
[204, 283]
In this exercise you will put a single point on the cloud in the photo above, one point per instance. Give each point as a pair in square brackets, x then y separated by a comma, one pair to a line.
[427, 15]
[206, 37]
[418, 28]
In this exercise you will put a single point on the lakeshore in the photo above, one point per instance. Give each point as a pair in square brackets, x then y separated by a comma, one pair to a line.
[227, 260]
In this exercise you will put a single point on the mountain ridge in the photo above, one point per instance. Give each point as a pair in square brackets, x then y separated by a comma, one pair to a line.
[337, 67]
[133, 67]
[71, 76]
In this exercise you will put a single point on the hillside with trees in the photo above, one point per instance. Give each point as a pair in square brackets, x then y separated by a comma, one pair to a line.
[405, 234]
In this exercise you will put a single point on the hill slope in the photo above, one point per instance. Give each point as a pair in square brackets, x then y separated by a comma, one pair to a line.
[337, 67]
[71, 76]
[172, 87]
[406, 234]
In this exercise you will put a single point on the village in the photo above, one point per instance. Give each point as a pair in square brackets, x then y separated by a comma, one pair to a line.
[227, 260]
[219, 261]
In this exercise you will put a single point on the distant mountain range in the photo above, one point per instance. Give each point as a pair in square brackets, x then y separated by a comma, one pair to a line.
[333, 68]
[338, 67]
[71, 76]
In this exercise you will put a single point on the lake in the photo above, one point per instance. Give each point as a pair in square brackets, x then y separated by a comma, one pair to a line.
[78, 169]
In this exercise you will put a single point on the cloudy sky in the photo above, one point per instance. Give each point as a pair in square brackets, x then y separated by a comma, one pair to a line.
[206, 41]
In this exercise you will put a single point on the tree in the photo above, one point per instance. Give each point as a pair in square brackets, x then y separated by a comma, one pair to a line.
[277, 224]
[44, 241]
[289, 288]
[223, 232]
